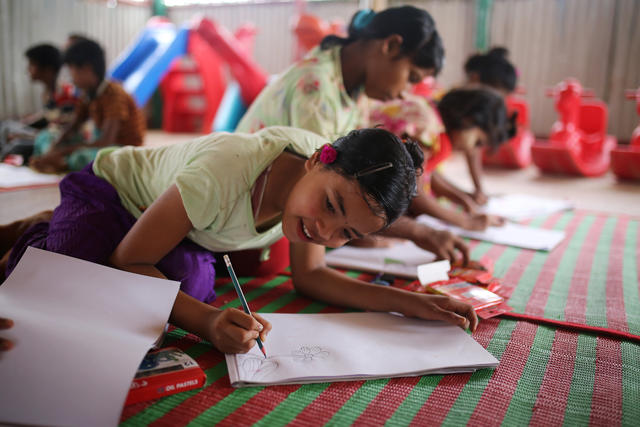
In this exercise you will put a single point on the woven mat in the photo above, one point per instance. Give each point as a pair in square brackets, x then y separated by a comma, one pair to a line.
[546, 376]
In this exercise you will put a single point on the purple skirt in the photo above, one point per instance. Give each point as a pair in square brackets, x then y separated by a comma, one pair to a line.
[89, 224]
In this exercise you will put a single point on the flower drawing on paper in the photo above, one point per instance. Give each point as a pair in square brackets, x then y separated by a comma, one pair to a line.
[257, 367]
[307, 354]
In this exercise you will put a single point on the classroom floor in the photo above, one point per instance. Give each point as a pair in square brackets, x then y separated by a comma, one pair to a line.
[603, 194]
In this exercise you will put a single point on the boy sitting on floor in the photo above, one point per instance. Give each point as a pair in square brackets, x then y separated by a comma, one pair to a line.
[116, 118]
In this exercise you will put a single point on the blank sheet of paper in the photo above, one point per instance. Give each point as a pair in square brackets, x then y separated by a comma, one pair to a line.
[81, 331]
[510, 234]
[307, 348]
[400, 259]
[22, 176]
[517, 207]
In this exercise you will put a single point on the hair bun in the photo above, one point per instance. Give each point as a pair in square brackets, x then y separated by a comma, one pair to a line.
[499, 52]
[416, 154]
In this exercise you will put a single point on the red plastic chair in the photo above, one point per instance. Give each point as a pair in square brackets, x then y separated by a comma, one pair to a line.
[578, 144]
[515, 153]
[625, 160]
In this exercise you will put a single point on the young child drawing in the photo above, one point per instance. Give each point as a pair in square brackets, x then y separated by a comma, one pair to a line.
[474, 119]
[116, 118]
[163, 211]
[383, 53]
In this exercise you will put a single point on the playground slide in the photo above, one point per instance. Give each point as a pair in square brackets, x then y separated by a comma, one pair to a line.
[143, 65]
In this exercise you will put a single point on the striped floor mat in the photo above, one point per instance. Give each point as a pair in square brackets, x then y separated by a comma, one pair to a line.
[546, 376]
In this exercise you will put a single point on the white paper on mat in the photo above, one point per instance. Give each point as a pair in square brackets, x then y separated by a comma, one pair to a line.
[510, 234]
[517, 207]
[308, 348]
[22, 176]
[81, 331]
[400, 259]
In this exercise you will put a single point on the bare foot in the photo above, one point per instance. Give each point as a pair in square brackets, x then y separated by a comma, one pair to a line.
[10, 233]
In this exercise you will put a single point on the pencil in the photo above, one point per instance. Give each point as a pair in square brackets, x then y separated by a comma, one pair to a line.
[243, 300]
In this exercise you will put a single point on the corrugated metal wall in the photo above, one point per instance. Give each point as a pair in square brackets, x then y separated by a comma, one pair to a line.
[274, 45]
[597, 41]
[27, 22]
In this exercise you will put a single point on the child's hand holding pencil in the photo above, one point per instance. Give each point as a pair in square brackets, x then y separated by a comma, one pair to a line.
[233, 331]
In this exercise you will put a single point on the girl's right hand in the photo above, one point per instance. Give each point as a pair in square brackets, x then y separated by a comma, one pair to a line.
[4, 343]
[234, 331]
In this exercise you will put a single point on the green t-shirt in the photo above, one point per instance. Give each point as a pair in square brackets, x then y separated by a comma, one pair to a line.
[214, 174]
[309, 95]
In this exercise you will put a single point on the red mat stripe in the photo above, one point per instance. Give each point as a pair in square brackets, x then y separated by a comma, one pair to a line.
[496, 398]
[616, 313]
[325, 406]
[576, 305]
[186, 410]
[384, 405]
[444, 395]
[254, 409]
[266, 400]
[607, 395]
[560, 366]
[606, 401]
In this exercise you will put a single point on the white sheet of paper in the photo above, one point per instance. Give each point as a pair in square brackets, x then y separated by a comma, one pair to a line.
[81, 331]
[22, 176]
[517, 207]
[510, 234]
[308, 348]
[401, 259]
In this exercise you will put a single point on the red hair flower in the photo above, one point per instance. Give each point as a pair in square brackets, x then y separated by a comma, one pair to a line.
[328, 154]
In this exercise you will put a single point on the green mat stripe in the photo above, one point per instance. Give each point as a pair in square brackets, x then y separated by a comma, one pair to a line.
[165, 405]
[596, 305]
[469, 397]
[521, 408]
[357, 403]
[630, 383]
[236, 399]
[630, 278]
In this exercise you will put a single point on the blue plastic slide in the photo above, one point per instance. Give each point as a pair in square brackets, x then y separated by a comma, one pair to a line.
[231, 109]
[143, 65]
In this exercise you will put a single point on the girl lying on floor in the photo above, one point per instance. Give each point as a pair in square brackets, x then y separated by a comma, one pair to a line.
[163, 212]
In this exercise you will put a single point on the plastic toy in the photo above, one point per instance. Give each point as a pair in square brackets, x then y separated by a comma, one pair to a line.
[625, 160]
[251, 78]
[143, 65]
[310, 30]
[187, 68]
[193, 89]
[515, 153]
[578, 143]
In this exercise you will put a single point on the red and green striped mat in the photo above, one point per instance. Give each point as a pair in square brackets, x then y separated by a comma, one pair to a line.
[546, 376]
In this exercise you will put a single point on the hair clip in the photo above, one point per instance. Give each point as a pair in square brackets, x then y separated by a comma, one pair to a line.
[328, 154]
[363, 18]
[373, 169]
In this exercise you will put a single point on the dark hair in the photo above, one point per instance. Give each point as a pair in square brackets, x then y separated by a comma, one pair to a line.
[388, 190]
[86, 52]
[420, 39]
[45, 56]
[493, 69]
[462, 109]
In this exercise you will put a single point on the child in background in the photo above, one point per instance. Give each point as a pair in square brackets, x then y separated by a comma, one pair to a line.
[325, 91]
[152, 210]
[115, 116]
[474, 119]
[44, 63]
[492, 69]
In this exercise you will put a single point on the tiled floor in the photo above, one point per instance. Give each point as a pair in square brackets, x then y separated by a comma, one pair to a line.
[599, 194]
